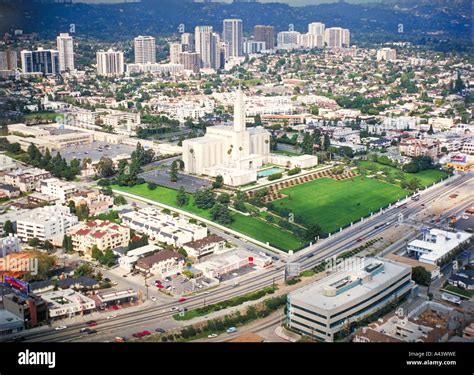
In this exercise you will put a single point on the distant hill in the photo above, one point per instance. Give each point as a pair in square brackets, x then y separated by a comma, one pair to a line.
[367, 22]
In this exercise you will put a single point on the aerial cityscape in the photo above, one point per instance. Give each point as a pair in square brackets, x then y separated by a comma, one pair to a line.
[222, 172]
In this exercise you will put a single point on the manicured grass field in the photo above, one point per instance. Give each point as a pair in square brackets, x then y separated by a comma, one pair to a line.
[333, 204]
[427, 177]
[250, 226]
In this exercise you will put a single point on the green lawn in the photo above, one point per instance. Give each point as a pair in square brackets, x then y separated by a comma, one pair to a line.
[333, 204]
[250, 226]
[427, 177]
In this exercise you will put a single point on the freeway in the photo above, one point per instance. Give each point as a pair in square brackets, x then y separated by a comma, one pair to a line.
[316, 254]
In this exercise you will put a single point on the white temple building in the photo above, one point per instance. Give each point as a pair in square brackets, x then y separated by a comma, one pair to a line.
[235, 152]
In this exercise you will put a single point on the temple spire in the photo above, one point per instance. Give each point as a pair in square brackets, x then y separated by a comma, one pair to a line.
[239, 111]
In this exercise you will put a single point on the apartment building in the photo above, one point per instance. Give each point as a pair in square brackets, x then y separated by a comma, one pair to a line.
[414, 147]
[95, 201]
[162, 264]
[59, 189]
[101, 233]
[212, 244]
[49, 223]
[162, 227]
[26, 179]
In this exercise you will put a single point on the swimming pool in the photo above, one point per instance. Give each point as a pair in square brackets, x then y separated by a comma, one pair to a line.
[268, 172]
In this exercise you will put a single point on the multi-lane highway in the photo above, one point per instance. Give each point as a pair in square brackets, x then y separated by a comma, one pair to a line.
[150, 316]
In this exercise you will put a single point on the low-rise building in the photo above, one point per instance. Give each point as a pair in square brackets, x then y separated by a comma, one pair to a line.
[57, 188]
[10, 323]
[129, 260]
[325, 309]
[9, 244]
[95, 201]
[26, 179]
[414, 147]
[162, 264]
[9, 191]
[103, 234]
[31, 309]
[212, 244]
[67, 303]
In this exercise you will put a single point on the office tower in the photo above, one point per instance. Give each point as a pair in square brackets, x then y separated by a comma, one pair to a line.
[207, 45]
[288, 39]
[175, 50]
[110, 63]
[264, 33]
[187, 39]
[40, 61]
[311, 41]
[190, 60]
[336, 37]
[145, 49]
[233, 35]
[65, 47]
[316, 28]
[8, 60]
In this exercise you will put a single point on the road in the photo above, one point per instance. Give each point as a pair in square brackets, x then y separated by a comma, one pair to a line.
[153, 316]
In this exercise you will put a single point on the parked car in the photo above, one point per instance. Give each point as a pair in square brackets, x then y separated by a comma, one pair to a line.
[119, 339]
[160, 330]
[231, 330]
[182, 299]
[146, 333]
[212, 335]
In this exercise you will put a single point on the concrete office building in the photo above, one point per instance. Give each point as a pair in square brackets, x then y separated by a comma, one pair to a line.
[208, 47]
[44, 61]
[65, 46]
[325, 308]
[337, 37]
[110, 63]
[145, 49]
[288, 40]
[233, 35]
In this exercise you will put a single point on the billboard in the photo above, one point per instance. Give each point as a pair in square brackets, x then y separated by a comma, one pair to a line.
[19, 285]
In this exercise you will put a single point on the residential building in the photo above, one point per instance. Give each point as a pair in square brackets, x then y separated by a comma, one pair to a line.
[325, 309]
[110, 63]
[233, 35]
[41, 61]
[145, 49]
[9, 191]
[386, 54]
[208, 47]
[60, 189]
[10, 323]
[7, 163]
[96, 202]
[31, 309]
[212, 244]
[162, 264]
[175, 50]
[252, 47]
[266, 34]
[316, 28]
[414, 147]
[103, 234]
[437, 245]
[463, 279]
[190, 61]
[288, 40]
[8, 60]
[9, 244]
[129, 260]
[337, 37]
[26, 179]
[187, 39]
[65, 47]
[49, 223]
[162, 227]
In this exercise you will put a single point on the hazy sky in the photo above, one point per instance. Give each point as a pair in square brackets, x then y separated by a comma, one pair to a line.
[291, 2]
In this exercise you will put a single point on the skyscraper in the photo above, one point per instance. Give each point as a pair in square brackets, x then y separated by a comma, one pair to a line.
[288, 39]
[65, 47]
[175, 50]
[337, 37]
[145, 49]
[208, 46]
[233, 35]
[110, 63]
[316, 28]
[187, 39]
[264, 33]
[8, 60]
[44, 61]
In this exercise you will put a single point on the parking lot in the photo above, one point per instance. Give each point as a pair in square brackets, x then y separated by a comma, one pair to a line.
[162, 177]
[94, 152]
[179, 285]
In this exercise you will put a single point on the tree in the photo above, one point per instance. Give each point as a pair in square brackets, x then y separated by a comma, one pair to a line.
[182, 198]
[223, 198]
[312, 232]
[431, 131]
[218, 183]
[119, 200]
[220, 214]
[82, 212]
[96, 253]
[142, 241]
[239, 202]
[421, 276]
[307, 144]
[45, 265]
[326, 142]
[105, 167]
[48, 246]
[152, 185]
[8, 228]
[67, 244]
[34, 242]
[204, 198]
[174, 172]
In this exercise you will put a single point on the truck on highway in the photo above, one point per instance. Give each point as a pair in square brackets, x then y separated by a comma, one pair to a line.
[450, 298]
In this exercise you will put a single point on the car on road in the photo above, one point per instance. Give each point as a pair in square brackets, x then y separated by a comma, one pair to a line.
[84, 330]
[111, 316]
[60, 328]
[92, 331]
[153, 299]
[360, 239]
[18, 338]
[212, 335]
[91, 323]
[173, 308]
[231, 330]
[160, 330]
[235, 274]
[182, 299]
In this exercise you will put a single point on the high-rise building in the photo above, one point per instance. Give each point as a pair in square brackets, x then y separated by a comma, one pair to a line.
[187, 39]
[110, 63]
[208, 46]
[288, 39]
[44, 61]
[316, 28]
[252, 47]
[145, 49]
[309, 40]
[233, 35]
[8, 60]
[337, 37]
[175, 50]
[190, 60]
[65, 47]
[264, 33]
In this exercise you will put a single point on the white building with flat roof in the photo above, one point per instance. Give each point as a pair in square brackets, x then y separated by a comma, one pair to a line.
[63, 303]
[436, 245]
[58, 189]
[129, 260]
[323, 309]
